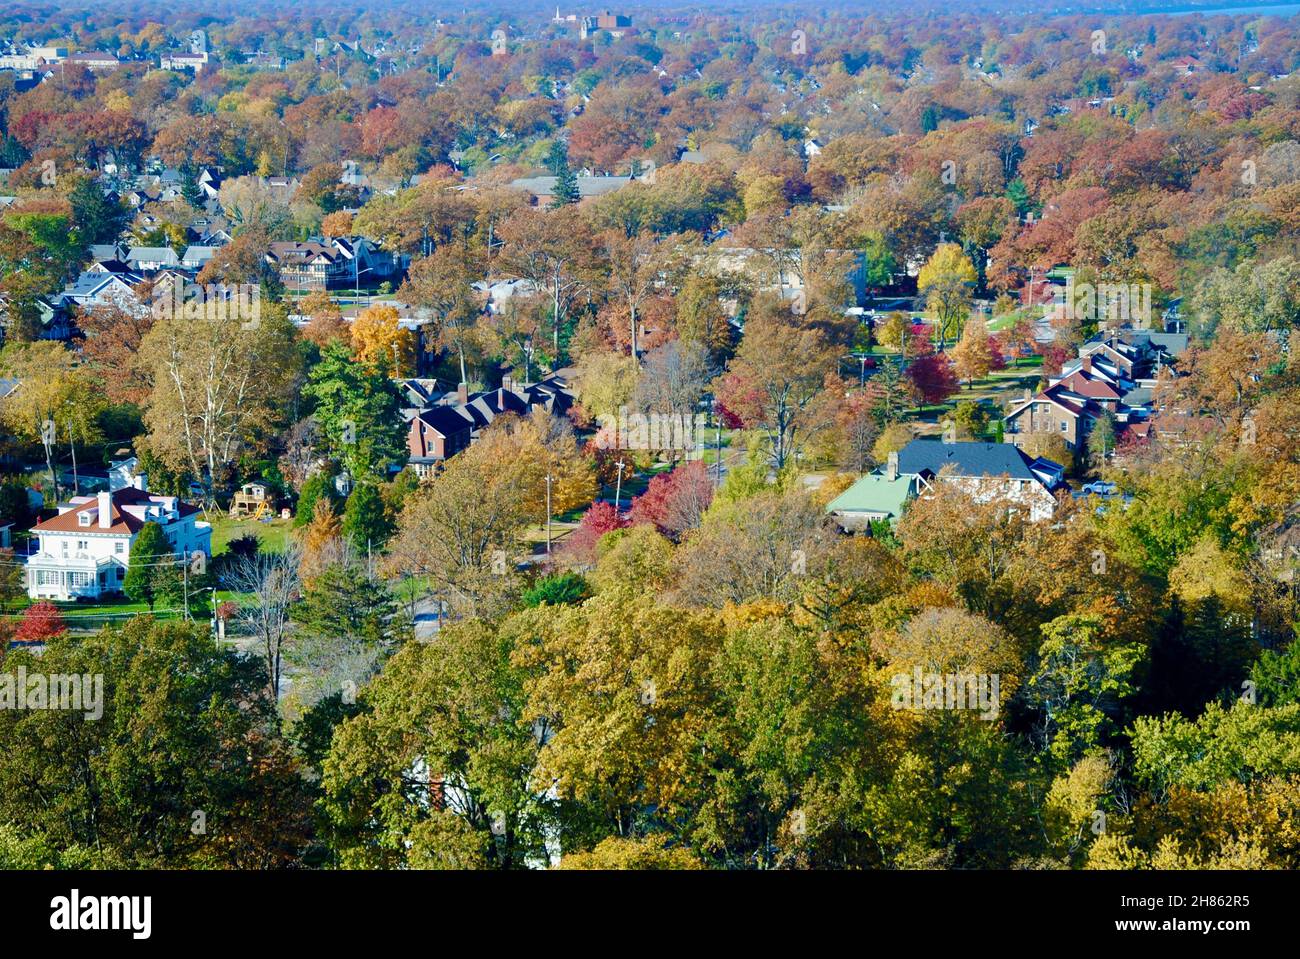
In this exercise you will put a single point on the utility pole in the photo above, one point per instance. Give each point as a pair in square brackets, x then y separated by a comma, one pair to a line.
[548, 514]
[185, 577]
[618, 484]
[718, 425]
[72, 444]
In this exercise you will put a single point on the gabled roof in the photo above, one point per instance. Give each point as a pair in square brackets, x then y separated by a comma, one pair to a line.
[966, 459]
[587, 185]
[303, 251]
[875, 493]
[127, 509]
[1057, 397]
[153, 254]
[1093, 388]
[446, 420]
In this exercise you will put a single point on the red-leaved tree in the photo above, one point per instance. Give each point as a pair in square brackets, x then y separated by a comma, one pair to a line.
[674, 502]
[40, 622]
[599, 519]
[933, 376]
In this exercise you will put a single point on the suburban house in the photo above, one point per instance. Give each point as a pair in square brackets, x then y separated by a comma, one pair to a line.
[183, 61]
[439, 431]
[436, 434]
[91, 478]
[149, 259]
[85, 550]
[97, 288]
[196, 256]
[541, 189]
[985, 471]
[308, 266]
[1113, 374]
[320, 264]
[877, 497]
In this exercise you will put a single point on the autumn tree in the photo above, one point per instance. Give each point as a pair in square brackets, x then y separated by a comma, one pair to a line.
[973, 355]
[781, 381]
[380, 340]
[945, 281]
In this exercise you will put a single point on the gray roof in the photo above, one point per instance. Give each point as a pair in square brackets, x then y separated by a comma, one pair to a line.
[446, 420]
[105, 251]
[967, 459]
[88, 284]
[160, 254]
[199, 254]
[587, 185]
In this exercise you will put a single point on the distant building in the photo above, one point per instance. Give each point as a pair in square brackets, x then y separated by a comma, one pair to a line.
[94, 61]
[541, 189]
[440, 431]
[183, 61]
[877, 497]
[327, 264]
[33, 58]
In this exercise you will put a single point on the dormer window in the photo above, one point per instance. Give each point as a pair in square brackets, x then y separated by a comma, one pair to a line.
[83, 519]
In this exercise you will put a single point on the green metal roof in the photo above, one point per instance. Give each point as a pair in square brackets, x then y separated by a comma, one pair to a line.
[875, 493]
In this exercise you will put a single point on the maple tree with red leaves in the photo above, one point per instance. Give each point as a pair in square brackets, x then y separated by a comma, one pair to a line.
[673, 502]
[40, 622]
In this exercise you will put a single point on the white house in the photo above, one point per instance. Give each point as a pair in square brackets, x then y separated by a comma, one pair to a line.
[987, 471]
[86, 548]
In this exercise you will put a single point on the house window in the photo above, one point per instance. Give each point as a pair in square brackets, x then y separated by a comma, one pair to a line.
[83, 519]
[1064, 426]
[82, 544]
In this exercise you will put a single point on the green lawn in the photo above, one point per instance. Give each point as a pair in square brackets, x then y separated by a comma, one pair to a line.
[274, 534]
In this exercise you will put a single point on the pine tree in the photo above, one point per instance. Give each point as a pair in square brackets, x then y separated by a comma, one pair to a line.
[566, 189]
[345, 606]
[365, 522]
[190, 188]
[566, 181]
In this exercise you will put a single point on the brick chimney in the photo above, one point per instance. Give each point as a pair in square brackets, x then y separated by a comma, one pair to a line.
[891, 470]
[105, 509]
[462, 393]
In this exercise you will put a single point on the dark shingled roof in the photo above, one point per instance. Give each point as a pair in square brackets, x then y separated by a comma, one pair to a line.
[967, 459]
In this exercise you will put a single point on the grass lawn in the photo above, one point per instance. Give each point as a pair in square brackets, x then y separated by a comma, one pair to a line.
[121, 607]
[274, 534]
[1001, 322]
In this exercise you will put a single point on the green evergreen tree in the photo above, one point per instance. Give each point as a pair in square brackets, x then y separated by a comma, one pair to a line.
[566, 181]
[145, 572]
[346, 607]
[96, 218]
[317, 485]
[365, 521]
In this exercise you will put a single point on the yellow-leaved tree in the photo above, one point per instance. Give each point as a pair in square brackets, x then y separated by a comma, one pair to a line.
[380, 340]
